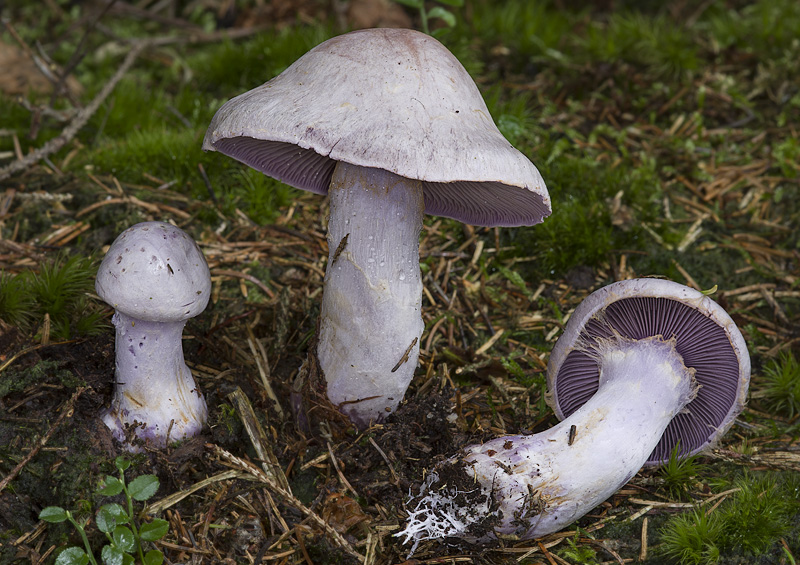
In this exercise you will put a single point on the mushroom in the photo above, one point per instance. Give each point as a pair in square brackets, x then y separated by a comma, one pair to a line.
[644, 366]
[390, 125]
[156, 278]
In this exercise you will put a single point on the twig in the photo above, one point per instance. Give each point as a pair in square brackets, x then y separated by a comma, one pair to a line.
[77, 56]
[237, 274]
[27, 350]
[288, 498]
[66, 412]
[258, 438]
[176, 497]
[78, 121]
[342, 478]
[86, 113]
[643, 550]
[262, 363]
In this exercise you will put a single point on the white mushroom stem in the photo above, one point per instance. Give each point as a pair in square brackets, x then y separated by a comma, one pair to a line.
[153, 383]
[371, 321]
[529, 486]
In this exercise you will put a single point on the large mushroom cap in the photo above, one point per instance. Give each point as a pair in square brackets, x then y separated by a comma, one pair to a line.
[392, 99]
[705, 336]
[154, 271]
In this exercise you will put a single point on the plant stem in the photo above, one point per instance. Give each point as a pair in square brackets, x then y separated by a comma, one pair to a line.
[424, 18]
[83, 537]
[132, 522]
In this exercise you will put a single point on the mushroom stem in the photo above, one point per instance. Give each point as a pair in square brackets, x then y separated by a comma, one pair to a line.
[529, 486]
[371, 320]
[154, 387]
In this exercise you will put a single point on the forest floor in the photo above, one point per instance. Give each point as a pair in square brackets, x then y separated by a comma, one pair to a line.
[670, 143]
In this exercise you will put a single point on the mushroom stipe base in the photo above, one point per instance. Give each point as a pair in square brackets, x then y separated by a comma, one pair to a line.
[158, 402]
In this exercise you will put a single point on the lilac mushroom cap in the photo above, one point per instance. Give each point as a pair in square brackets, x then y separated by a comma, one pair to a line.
[391, 99]
[156, 278]
[390, 125]
[705, 336]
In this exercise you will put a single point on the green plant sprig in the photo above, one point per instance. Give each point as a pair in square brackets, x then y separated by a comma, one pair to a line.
[59, 290]
[117, 523]
[436, 12]
[679, 473]
[782, 390]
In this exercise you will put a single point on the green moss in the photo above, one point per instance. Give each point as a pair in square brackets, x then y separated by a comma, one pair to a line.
[759, 515]
[680, 474]
[15, 302]
[164, 153]
[578, 553]
[57, 290]
[749, 524]
[766, 27]
[231, 68]
[781, 390]
[692, 538]
[580, 231]
[43, 372]
[526, 28]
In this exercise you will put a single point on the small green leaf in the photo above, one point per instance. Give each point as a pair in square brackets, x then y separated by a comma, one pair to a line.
[122, 463]
[53, 514]
[124, 539]
[514, 277]
[154, 530]
[442, 14]
[142, 488]
[153, 557]
[112, 486]
[127, 559]
[109, 516]
[710, 291]
[112, 555]
[72, 556]
[411, 3]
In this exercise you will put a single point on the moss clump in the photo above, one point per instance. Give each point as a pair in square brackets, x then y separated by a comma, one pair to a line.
[750, 524]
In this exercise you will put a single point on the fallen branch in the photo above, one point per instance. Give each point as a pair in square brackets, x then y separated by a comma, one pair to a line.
[86, 113]
[78, 121]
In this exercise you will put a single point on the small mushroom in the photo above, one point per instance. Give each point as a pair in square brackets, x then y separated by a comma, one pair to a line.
[643, 366]
[156, 278]
[390, 125]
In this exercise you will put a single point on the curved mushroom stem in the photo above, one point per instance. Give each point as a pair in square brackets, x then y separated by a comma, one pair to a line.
[154, 387]
[529, 486]
[371, 319]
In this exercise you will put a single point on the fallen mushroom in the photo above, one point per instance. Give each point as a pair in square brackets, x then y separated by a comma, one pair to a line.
[643, 365]
[390, 125]
[156, 278]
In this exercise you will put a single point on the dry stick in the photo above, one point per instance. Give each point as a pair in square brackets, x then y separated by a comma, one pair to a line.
[77, 56]
[83, 116]
[19, 354]
[78, 121]
[259, 439]
[643, 550]
[546, 553]
[65, 413]
[287, 498]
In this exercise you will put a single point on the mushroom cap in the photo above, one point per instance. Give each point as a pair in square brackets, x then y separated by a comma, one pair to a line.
[156, 272]
[393, 99]
[705, 336]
